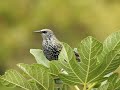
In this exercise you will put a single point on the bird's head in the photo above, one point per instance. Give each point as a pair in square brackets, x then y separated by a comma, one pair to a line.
[46, 33]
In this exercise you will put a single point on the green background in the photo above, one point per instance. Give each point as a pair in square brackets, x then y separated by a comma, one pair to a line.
[71, 21]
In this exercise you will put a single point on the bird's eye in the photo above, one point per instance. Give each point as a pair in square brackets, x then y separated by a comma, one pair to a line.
[44, 31]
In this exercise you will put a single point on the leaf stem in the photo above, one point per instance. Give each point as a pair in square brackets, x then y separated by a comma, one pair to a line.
[85, 88]
[91, 86]
[76, 87]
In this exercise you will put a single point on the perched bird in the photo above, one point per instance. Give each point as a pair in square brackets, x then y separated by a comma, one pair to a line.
[51, 45]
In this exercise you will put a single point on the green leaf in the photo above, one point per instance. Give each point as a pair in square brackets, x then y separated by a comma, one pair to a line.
[110, 63]
[114, 82]
[112, 42]
[89, 49]
[40, 57]
[35, 85]
[37, 72]
[66, 52]
[67, 87]
[78, 73]
[51, 83]
[7, 84]
[15, 78]
[103, 87]
[118, 84]
[66, 55]
[55, 67]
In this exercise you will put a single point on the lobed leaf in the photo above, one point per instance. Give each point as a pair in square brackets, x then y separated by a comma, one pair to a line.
[55, 68]
[78, 73]
[103, 87]
[114, 82]
[15, 78]
[37, 72]
[66, 53]
[112, 42]
[110, 63]
[40, 57]
[69, 77]
[88, 49]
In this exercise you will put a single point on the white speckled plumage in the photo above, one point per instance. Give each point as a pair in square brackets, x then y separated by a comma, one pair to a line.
[51, 45]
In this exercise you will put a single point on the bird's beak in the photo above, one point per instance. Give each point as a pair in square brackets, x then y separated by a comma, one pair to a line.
[38, 31]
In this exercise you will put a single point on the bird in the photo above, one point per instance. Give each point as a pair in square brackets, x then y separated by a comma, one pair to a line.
[52, 47]
[50, 44]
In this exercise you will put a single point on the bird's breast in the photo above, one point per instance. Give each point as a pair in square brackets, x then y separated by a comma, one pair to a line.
[51, 50]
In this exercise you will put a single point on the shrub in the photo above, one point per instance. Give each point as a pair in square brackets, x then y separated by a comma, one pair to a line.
[95, 71]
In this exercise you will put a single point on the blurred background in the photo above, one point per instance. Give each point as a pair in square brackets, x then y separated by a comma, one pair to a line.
[71, 21]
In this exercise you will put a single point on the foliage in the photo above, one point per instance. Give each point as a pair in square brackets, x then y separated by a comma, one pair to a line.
[18, 18]
[98, 62]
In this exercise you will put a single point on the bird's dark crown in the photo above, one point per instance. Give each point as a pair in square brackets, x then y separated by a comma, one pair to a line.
[46, 31]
